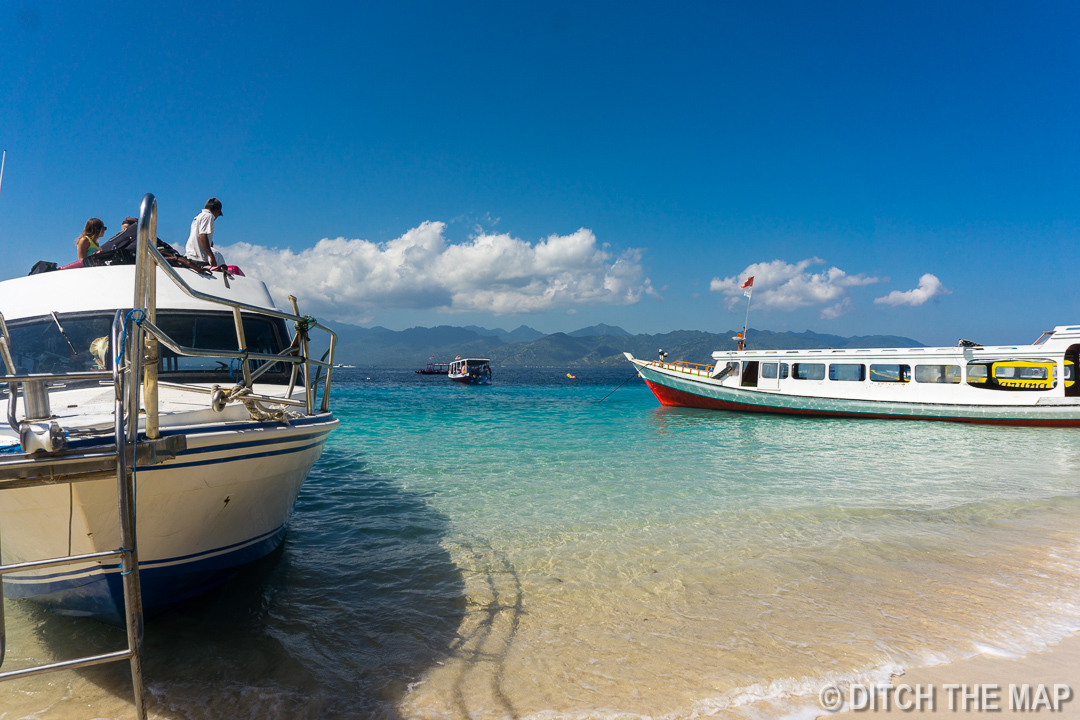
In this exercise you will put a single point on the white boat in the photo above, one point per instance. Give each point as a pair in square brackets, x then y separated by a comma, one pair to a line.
[233, 400]
[1000, 385]
[470, 371]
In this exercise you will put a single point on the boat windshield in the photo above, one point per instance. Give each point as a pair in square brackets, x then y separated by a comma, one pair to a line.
[76, 342]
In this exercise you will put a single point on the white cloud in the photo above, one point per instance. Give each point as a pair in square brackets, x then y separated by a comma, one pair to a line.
[779, 285]
[834, 311]
[929, 286]
[492, 273]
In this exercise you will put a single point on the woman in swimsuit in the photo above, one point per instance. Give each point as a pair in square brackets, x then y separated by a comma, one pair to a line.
[87, 243]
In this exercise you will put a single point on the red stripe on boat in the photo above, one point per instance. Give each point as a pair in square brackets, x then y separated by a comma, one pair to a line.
[679, 398]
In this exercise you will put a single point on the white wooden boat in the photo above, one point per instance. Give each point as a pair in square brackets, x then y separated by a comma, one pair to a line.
[233, 392]
[1001, 385]
[470, 371]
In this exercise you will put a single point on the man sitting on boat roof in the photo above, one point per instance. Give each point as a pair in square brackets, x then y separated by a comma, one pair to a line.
[200, 242]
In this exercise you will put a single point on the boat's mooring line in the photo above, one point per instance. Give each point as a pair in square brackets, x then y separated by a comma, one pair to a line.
[620, 385]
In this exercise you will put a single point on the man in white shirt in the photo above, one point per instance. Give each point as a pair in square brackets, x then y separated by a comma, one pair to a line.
[200, 242]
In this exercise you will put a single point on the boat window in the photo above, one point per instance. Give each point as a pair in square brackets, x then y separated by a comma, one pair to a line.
[38, 346]
[1013, 374]
[937, 373]
[1072, 388]
[1021, 372]
[890, 373]
[734, 367]
[784, 369]
[808, 371]
[769, 371]
[216, 331]
[847, 371]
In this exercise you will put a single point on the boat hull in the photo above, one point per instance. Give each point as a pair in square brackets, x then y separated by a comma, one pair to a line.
[220, 504]
[470, 380]
[680, 389]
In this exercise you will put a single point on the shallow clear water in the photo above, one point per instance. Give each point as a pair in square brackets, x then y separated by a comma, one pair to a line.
[522, 549]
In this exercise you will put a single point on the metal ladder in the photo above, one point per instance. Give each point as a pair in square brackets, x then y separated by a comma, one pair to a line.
[118, 455]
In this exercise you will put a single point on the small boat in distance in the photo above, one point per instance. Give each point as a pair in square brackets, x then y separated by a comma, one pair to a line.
[434, 368]
[1001, 385]
[471, 371]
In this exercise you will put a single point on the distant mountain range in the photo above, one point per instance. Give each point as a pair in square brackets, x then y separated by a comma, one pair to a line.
[591, 346]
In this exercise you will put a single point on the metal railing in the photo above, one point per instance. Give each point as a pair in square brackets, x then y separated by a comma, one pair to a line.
[135, 354]
[148, 259]
[684, 367]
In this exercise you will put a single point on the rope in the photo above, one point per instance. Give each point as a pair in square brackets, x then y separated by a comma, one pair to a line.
[122, 573]
[620, 385]
[128, 317]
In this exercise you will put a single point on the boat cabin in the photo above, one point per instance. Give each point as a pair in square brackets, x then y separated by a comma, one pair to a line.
[471, 371]
[1048, 368]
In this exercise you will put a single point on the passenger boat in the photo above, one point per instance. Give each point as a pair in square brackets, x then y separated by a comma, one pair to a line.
[225, 425]
[434, 368]
[1000, 385]
[471, 371]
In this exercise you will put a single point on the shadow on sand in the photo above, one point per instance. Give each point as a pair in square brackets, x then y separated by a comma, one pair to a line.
[357, 603]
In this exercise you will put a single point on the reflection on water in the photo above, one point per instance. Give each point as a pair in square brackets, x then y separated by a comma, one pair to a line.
[360, 599]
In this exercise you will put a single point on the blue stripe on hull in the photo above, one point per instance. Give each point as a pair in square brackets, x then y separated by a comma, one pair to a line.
[167, 581]
[101, 595]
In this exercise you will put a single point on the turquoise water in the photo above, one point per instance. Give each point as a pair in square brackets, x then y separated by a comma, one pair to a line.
[524, 550]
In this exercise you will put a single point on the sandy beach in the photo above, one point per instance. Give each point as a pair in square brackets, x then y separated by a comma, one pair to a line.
[1058, 665]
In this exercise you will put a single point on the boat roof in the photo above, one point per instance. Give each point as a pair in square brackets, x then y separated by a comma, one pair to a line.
[1056, 340]
[113, 287]
[472, 360]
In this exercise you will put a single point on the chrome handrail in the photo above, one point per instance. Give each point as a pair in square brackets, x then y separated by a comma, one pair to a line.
[147, 260]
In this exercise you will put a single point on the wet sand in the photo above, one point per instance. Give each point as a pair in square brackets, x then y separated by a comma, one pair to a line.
[1059, 664]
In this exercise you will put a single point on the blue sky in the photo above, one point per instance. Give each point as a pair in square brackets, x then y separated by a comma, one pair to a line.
[564, 164]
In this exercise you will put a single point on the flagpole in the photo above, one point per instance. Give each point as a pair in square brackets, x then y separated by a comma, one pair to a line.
[742, 340]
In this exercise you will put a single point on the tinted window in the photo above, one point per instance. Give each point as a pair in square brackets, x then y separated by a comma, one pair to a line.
[847, 371]
[784, 371]
[216, 331]
[1022, 373]
[890, 373]
[808, 371]
[937, 373]
[768, 370]
[38, 346]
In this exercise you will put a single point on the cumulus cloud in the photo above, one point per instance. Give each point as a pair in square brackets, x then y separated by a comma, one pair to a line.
[834, 311]
[493, 273]
[929, 286]
[779, 285]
